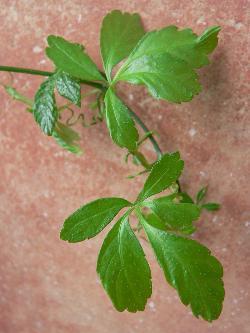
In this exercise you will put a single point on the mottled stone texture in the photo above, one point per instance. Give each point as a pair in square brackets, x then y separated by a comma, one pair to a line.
[48, 285]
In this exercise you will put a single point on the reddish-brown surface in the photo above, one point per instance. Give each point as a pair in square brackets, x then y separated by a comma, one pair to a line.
[48, 285]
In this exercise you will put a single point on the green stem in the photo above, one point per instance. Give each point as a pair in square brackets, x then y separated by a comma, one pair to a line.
[151, 138]
[157, 148]
[141, 158]
[44, 73]
[24, 70]
[146, 130]
[65, 106]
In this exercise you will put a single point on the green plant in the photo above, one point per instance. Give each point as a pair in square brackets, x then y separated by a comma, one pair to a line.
[166, 62]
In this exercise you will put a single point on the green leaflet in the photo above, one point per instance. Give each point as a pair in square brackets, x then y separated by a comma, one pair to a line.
[18, 96]
[67, 138]
[120, 124]
[120, 33]
[123, 269]
[71, 58]
[155, 221]
[165, 60]
[182, 44]
[68, 87]
[185, 198]
[201, 194]
[191, 269]
[165, 76]
[44, 107]
[163, 174]
[208, 40]
[91, 219]
[211, 206]
[175, 216]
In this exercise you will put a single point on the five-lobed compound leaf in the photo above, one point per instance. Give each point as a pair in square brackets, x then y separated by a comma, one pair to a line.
[163, 174]
[68, 87]
[176, 216]
[91, 219]
[67, 138]
[44, 107]
[71, 58]
[123, 269]
[165, 60]
[120, 124]
[120, 33]
[191, 269]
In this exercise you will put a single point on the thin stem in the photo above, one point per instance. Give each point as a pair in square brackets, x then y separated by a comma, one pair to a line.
[44, 73]
[17, 96]
[151, 138]
[65, 106]
[141, 158]
[146, 130]
[24, 70]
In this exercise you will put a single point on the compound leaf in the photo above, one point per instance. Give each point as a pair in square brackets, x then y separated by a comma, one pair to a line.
[123, 269]
[120, 33]
[91, 219]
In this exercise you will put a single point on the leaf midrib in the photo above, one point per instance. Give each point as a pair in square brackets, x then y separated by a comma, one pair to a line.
[93, 216]
[192, 277]
[123, 265]
[145, 195]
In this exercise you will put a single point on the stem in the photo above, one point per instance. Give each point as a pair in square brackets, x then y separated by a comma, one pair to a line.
[151, 138]
[24, 70]
[44, 73]
[141, 158]
[146, 130]
[65, 106]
